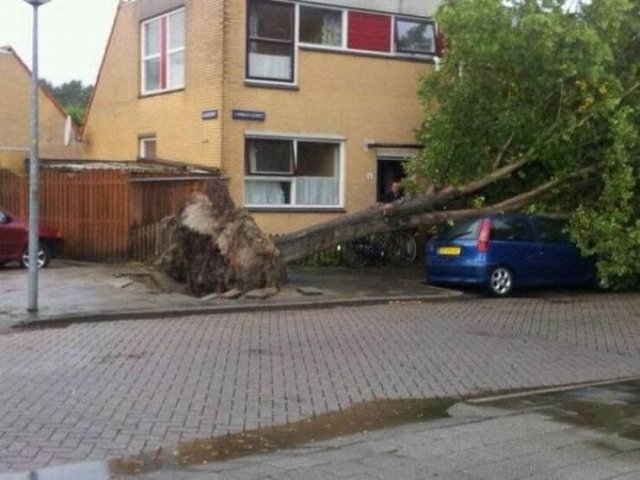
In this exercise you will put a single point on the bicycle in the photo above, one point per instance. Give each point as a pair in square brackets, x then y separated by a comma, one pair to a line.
[398, 247]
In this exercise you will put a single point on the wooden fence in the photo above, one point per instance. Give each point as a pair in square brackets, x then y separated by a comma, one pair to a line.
[154, 199]
[148, 241]
[13, 193]
[103, 214]
[91, 208]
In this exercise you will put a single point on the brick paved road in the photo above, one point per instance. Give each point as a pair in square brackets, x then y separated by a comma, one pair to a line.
[94, 391]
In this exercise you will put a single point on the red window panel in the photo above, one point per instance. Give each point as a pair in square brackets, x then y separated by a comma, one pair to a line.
[368, 31]
[163, 55]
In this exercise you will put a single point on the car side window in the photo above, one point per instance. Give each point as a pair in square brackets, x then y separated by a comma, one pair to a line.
[511, 230]
[552, 231]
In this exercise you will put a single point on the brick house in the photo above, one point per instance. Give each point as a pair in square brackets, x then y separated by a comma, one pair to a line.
[15, 117]
[308, 107]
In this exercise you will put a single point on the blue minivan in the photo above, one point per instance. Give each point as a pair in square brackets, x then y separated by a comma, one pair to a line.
[502, 252]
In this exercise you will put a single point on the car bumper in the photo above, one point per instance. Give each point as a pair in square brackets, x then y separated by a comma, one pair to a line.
[473, 274]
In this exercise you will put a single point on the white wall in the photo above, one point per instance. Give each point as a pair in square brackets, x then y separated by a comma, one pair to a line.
[421, 8]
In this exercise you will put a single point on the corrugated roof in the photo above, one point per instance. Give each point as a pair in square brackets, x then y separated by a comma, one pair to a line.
[133, 167]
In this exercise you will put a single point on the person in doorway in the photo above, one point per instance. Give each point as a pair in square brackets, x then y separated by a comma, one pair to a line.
[395, 193]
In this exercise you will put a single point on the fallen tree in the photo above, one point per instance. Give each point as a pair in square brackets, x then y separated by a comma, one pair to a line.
[215, 247]
[534, 105]
[423, 211]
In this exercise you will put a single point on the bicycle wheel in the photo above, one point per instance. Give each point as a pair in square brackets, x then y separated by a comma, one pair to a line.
[401, 249]
[355, 253]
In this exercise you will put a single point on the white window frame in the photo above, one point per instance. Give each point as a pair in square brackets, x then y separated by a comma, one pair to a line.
[295, 139]
[345, 34]
[344, 27]
[254, 168]
[394, 42]
[296, 43]
[142, 147]
[144, 58]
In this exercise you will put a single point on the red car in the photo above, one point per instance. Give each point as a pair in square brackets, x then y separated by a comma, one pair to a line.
[14, 241]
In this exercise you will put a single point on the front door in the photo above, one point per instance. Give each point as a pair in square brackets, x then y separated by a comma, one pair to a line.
[389, 170]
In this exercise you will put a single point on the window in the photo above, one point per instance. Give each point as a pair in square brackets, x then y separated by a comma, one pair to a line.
[297, 173]
[464, 230]
[511, 229]
[163, 53]
[552, 230]
[147, 148]
[415, 36]
[270, 42]
[321, 26]
[270, 157]
[368, 31]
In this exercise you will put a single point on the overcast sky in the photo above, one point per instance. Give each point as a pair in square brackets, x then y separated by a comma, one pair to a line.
[73, 35]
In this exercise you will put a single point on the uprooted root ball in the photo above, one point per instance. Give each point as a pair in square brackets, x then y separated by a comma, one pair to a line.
[215, 246]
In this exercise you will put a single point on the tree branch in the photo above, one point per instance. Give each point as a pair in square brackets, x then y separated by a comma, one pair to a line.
[502, 151]
[510, 204]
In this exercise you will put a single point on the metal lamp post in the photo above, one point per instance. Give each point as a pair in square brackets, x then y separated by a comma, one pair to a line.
[34, 168]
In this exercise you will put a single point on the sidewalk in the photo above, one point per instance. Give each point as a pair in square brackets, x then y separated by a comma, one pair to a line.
[84, 291]
[585, 433]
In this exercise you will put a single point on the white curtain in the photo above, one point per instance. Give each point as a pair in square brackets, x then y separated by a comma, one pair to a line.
[317, 191]
[263, 193]
[332, 30]
[269, 66]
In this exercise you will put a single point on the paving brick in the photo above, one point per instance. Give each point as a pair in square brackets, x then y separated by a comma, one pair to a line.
[116, 385]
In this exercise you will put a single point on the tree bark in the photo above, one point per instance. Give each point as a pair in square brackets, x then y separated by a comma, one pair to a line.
[318, 238]
[216, 247]
[422, 211]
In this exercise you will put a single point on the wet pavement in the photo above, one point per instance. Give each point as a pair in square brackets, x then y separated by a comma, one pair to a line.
[88, 291]
[124, 389]
[581, 434]
[586, 433]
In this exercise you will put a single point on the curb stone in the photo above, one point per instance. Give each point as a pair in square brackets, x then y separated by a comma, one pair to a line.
[110, 316]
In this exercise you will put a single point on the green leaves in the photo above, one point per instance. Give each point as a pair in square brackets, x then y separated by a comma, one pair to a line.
[536, 81]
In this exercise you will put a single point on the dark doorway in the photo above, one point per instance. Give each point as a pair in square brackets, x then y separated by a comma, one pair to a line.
[389, 169]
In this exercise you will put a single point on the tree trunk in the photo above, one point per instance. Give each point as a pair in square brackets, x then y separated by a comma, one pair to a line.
[423, 211]
[216, 247]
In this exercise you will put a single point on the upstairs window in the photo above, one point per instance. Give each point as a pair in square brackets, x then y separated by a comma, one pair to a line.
[270, 42]
[321, 26]
[163, 53]
[292, 173]
[415, 36]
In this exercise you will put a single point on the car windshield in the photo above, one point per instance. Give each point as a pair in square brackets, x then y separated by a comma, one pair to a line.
[463, 230]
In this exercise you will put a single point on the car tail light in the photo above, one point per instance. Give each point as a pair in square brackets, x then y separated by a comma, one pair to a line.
[483, 237]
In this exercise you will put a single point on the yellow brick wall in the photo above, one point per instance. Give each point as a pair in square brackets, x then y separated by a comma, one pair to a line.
[119, 115]
[13, 161]
[15, 118]
[360, 97]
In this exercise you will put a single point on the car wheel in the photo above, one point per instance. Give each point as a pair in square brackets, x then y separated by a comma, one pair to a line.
[501, 282]
[44, 257]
